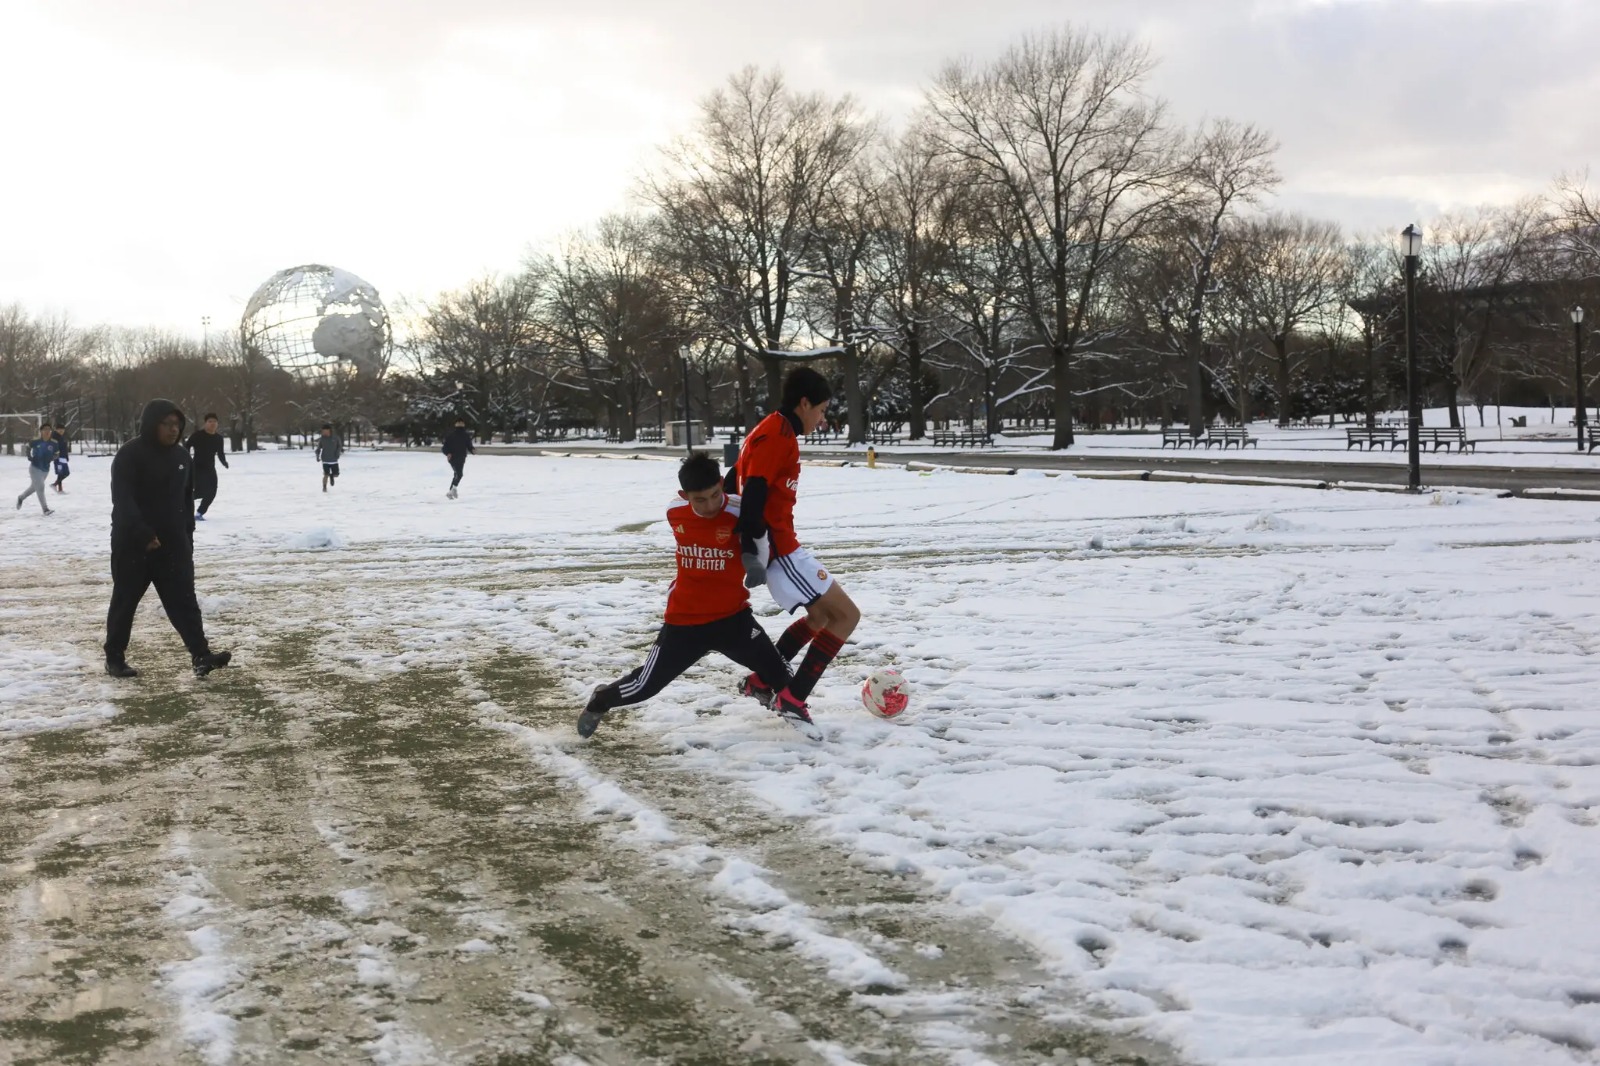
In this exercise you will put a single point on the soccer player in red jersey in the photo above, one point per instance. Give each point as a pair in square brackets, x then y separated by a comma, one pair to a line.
[767, 477]
[708, 606]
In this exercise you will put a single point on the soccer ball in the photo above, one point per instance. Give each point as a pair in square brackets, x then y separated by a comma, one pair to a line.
[885, 693]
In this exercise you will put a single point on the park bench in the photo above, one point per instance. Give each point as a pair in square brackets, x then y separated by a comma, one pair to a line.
[962, 438]
[884, 433]
[1591, 440]
[824, 435]
[1222, 436]
[1371, 438]
[1177, 436]
[652, 435]
[1446, 438]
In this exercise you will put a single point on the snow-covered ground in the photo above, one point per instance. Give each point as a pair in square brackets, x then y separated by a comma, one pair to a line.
[1267, 775]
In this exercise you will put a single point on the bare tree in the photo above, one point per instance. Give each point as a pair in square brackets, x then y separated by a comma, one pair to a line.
[1228, 166]
[1285, 276]
[613, 318]
[979, 294]
[480, 338]
[742, 196]
[1469, 274]
[1058, 125]
[919, 221]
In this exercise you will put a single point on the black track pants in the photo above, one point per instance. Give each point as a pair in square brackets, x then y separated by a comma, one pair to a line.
[739, 637]
[171, 570]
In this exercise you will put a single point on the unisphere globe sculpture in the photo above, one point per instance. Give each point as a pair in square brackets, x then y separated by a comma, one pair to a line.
[314, 321]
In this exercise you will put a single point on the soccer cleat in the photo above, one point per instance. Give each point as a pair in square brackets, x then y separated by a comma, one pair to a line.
[589, 720]
[214, 660]
[757, 690]
[793, 711]
[49, 511]
[199, 517]
[119, 668]
[452, 493]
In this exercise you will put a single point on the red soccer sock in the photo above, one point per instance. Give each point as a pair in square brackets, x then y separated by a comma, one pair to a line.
[824, 646]
[797, 636]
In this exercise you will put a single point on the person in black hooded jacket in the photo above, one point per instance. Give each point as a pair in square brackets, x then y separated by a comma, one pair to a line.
[152, 538]
[457, 446]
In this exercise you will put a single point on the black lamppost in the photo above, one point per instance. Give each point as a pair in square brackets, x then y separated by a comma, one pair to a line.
[688, 438]
[661, 414]
[1411, 247]
[1577, 358]
[205, 337]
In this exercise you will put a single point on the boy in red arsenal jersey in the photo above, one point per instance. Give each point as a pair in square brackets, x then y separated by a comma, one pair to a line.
[708, 607]
[767, 476]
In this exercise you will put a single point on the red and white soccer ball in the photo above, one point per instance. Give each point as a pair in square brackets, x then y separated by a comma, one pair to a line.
[886, 693]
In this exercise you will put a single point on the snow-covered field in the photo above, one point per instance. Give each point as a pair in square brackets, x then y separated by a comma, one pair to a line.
[1263, 774]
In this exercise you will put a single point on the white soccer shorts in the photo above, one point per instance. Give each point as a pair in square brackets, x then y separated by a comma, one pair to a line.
[797, 579]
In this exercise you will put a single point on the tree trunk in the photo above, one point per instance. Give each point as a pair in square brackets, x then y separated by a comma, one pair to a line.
[1285, 401]
[855, 400]
[916, 416]
[1061, 378]
[1451, 397]
[1197, 395]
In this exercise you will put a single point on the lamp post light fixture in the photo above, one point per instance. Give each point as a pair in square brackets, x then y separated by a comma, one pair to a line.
[205, 337]
[1411, 247]
[661, 414]
[1578, 418]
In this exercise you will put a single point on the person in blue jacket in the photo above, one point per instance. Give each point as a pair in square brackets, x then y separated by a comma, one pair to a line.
[41, 454]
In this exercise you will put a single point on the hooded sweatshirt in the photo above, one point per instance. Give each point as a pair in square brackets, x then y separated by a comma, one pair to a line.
[457, 443]
[152, 493]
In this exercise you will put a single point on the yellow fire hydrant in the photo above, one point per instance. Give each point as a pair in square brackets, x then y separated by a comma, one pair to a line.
[872, 458]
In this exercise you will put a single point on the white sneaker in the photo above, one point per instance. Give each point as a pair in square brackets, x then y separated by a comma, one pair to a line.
[452, 493]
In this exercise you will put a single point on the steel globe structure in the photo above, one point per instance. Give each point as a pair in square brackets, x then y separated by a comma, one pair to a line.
[317, 322]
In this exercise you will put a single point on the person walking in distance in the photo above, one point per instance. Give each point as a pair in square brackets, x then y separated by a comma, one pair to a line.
[708, 606]
[329, 448]
[63, 466]
[152, 539]
[41, 454]
[457, 446]
[767, 477]
[205, 451]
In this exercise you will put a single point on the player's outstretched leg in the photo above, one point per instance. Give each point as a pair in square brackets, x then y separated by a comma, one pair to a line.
[595, 709]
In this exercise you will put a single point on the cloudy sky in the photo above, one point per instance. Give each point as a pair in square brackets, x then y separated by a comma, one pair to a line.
[163, 157]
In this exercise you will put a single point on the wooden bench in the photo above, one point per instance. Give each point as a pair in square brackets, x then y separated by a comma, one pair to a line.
[652, 435]
[883, 433]
[1222, 436]
[1588, 437]
[1371, 438]
[1446, 438]
[962, 438]
[1178, 436]
[823, 435]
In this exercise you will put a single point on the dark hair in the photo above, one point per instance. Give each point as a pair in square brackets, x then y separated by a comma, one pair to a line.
[698, 472]
[327, 425]
[209, 416]
[804, 383]
[61, 425]
[463, 421]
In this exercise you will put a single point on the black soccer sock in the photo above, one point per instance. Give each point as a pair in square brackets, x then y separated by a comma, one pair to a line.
[824, 646]
[797, 636]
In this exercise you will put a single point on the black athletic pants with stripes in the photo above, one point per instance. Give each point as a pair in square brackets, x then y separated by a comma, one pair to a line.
[739, 637]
